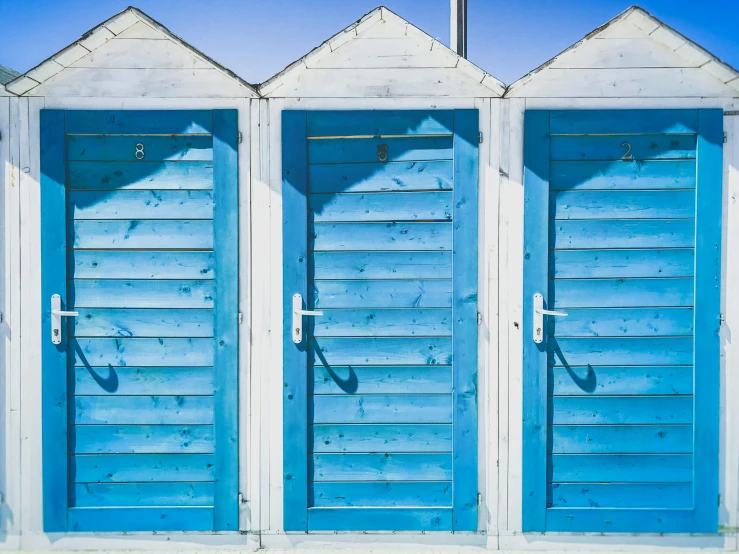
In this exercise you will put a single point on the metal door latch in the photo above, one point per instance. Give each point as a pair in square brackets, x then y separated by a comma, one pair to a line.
[298, 313]
[539, 313]
[56, 318]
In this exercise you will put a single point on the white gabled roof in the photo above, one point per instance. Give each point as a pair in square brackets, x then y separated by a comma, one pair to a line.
[671, 50]
[130, 23]
[406, 49]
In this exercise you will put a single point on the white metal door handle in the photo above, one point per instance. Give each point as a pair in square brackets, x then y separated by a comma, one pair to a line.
[56, 318]
[298, 313]
[539, 313]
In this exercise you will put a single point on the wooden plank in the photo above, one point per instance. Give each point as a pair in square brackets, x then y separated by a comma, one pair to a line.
[181, 381]
[383, 294]
[621, 293]
[383, 323]
[622, 53]
[170, 122]
[139, 233]
[114, 293]
[391, 493]
[585, 122]
[675, 233]
[379, 122]
[380, 177]
[226, 340]
[390, 52]
[367, 150]
[140, 519]
[142, 53]
[132, 204]
[380, 519]
[380, 206]
[53, 357]
[380, 236]
[381, 438]
[96, 352]
[141, 439]
[130, 175]
[123, 148]
[381, 380]
[620, 380]
[378, 351]
[621, 439]
[621, 351]
[294, 358]
[708, 339]
[619, 521]
[623, 322]
[146, 410]
[381, 467]
[660, 204]
[629, 468]
[140, 468]
[636, 410]
[623, 175]
[140, 494]
[413, 409]
[535, 267]
[582, 264]
[119, 264]
[381, 265]
[627, 147]
[621, 495]
[465, 320]
[152, 322]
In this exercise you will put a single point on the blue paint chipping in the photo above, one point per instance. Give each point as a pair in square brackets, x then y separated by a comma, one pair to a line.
[380, 398]
[140, 405]
[622, 230]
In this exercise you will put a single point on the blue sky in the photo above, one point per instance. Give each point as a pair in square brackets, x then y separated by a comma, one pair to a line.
[257, 38]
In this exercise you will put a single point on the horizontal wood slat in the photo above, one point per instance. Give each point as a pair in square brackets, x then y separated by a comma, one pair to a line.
[642, 147]
[146, 410]
[133, 381]
[622, 175]
[391, 122]
[619, 521]
[143, 264]
[382, 409]
[570, 122]
[603, 410]
[173, 352]
[623, 322]
[416, 322]
[131, 175]
[380, 351]
[141, 322]
[380, 177]
[621, 495]
[114, 293]
[382, 265]
[641, 204]
[93, 122]
[141, 204]
[615, 468]
[141, 468]
[621, 439]
[140, 519]
[623, 351]
[670, 233]
[380, 236]
[380, 206]
[383, 293]
[381, 438]
[619, 380]
[364, 150]
[380, 519]
[622, 293]
[381, 379]
[124, 148]
[140, 234]
[590, 264]
[140, 439]
[141, 494]
[381, 467]
[391, 493]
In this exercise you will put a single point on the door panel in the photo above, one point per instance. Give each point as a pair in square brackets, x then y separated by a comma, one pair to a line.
[622, 234]
[141, 434]
[380, 399]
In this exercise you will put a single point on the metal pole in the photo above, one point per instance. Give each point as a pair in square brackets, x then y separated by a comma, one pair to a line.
[458, 27]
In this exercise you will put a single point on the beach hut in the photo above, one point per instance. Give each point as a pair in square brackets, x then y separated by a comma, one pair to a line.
[124, 266]
[618, 225]
[375, 184]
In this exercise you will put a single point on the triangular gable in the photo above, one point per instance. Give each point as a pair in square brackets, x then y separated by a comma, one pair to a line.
[382, 55]
[633, 55]
[130, 54]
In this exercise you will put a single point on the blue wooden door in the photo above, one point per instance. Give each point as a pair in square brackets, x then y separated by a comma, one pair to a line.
[139, 237]
[380, 236]
[621, 396]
